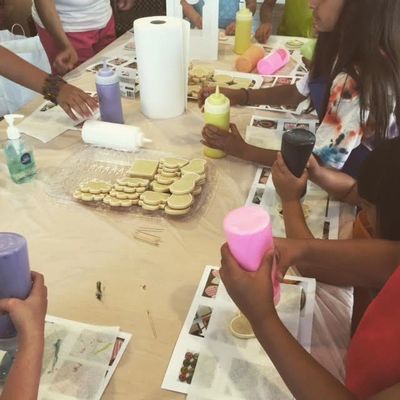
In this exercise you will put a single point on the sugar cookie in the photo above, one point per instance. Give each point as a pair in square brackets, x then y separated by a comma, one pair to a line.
[78, 195]
[150, 207]
[167, 174]
[245, 82]
[143, 168]
[170, 162]
[125, 189]
[241, 328]
[95, 186]
[154, 198]
[221, 79]
[197, 165]
[197, 190]
[114, 202]
[165, 180]
[172, 211]
[180, 201]
[123, 195]
[184, 185]
[159, 187]
[132, 182]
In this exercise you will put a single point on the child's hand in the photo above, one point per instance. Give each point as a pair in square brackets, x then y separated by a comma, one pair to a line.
[230, 142]
[252, 292]
[263, 32]
[236, 97]
[230, 29]
[286, 184]
[313, 167]
[28, 315]
[72, 99]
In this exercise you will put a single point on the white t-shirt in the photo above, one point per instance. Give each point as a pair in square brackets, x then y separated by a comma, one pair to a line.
[80, 15]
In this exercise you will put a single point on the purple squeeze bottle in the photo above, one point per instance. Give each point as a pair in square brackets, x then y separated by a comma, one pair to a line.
[248, 232]
[15, 280]
[107, 85]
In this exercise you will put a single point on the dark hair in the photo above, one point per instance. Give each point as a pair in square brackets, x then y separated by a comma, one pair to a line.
[379, 183]
[366, 45]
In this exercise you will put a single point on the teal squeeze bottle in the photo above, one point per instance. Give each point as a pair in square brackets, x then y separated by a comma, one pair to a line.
[19, 155]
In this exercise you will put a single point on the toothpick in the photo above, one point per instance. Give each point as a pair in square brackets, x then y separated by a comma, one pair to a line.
[142, 236]
[151, 324]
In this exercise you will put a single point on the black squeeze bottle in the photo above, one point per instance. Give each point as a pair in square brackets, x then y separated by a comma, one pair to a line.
[297, 146]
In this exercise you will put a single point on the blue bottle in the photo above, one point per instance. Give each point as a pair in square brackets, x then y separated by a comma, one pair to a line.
[107, 85]
[19, 155]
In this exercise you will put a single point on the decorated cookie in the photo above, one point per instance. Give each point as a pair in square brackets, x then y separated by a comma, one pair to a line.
[133, 182]
[154, 198]
[294, 44]
[184, 185]
[245, 82]
[87, 196]
[197, 165]
[221, 79]
[241, 328]
[172, 211]
[180, 201]
[170, 162]
[159, 187]
[114, 202]
[95, 186]
[123, 195]
[143, 169]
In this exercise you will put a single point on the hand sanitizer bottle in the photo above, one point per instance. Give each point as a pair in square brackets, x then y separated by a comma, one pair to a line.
[19, 155]
[217, 113]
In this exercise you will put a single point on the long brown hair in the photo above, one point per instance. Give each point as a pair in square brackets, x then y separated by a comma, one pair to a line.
[366, 45]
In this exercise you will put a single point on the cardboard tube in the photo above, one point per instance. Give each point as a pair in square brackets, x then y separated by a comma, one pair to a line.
[248, 60]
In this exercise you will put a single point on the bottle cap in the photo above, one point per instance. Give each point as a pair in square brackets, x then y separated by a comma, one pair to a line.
[106, 75]
[12, 131]
[217, 98]
[217, 103]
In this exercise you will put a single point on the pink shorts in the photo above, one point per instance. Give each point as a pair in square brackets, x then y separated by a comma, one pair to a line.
[86, 44]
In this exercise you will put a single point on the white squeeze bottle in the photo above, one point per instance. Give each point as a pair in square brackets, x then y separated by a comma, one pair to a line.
[19, 155]
[217, 109]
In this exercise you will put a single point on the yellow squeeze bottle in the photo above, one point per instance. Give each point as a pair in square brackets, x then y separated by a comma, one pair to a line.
[217, 113]
[244, 26]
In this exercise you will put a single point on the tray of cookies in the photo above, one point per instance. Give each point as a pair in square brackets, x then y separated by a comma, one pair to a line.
[146, 182]
[205, 75]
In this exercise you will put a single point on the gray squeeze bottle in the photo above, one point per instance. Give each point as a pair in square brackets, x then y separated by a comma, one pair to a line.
[107, 85]
[297, 146]
[19, 155]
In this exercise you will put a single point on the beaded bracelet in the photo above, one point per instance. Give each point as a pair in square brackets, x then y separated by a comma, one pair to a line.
[246, 102]
[51, 87]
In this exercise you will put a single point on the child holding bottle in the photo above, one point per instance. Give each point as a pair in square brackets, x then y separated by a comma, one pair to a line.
[353, 85]
[28, 318]
[193, 11]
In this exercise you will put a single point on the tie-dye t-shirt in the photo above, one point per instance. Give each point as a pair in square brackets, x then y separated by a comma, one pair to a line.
[341, 129]
[227, 11]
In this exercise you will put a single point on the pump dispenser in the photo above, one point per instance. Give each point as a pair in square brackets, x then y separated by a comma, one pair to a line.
[107, 85]
[217, 113]
[19, 155]
[244, 26]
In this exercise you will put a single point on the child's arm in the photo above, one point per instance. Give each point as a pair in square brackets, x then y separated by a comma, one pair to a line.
[304, 376]
[339, 185]
[28, 317]
[290, 189]
[191, 14]
[69, 97]
[264, 31]
[67, 58]
[251, 5]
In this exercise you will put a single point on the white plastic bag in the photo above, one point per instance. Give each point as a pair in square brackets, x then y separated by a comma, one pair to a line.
[12, 95]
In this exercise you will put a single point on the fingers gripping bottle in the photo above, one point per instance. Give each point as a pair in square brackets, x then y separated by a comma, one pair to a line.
[107, 85]
[217, 113]
[244, 26]
[248, 231]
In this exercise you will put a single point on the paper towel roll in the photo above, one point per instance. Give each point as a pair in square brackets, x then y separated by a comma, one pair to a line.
[162, 51]
[113, 136]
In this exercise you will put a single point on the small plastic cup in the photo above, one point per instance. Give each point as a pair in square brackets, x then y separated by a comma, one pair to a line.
[248, 232]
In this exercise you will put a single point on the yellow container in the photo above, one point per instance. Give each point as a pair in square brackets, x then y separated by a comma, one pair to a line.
[244, 26]
[217, 113]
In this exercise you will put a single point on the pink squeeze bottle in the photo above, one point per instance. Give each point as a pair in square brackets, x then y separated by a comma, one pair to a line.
[273, 62]
[249, 235]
